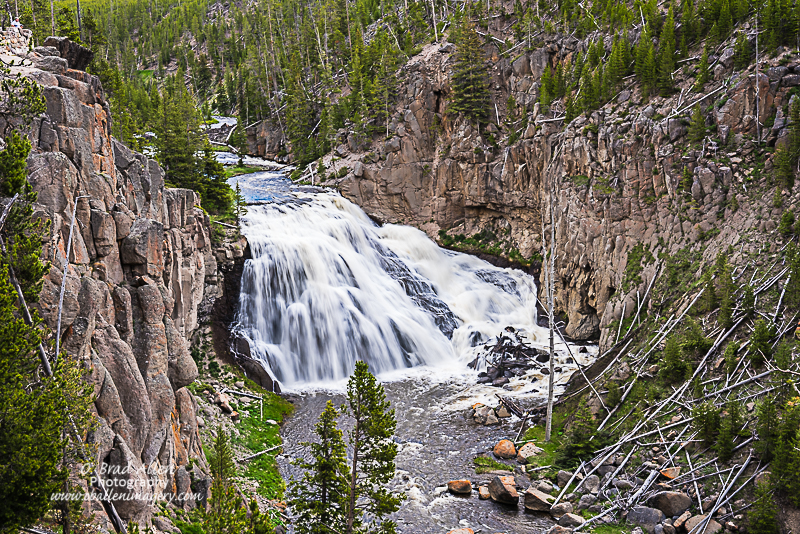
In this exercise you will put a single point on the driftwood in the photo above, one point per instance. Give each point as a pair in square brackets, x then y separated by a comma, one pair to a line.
[265, 451]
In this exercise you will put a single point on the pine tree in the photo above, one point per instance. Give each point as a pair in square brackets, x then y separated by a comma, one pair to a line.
[697, 128]
[749, 302]
[786, 225]
[784, 171]
[724, 445]
[674, 367]
[666, 55]
[760, 348]
[761, 518]
[707, 421]
[373, 454]
[742, 52]
[226, 513]
[730, 356]
[578, 443]
[767, 429]
[319, 499]
[709, 299]
[546, 89]
[469, 82]
[687, 21]
[350, 497]
[217, 196]
[726, 290]
[793, 285]
[703, 71]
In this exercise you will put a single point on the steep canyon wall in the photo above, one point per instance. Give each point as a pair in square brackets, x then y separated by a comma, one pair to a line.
[140, 265]
[616, 174]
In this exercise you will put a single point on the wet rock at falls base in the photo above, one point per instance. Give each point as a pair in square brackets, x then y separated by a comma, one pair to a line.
[501, 492]
[571, 520]
[559, 509]
[538, 501]
[460, 487]
[505, 449]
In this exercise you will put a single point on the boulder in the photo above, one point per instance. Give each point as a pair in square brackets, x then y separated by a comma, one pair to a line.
[503, 493]
[462, 531]
[460, 487]
[678, 523]
[571, 520]
[144, 246]
[560, 509]
[558, 529]
[77, 56]
[483, 493]
[53, 64]
[672, 503]
[586, 501]
[711, 528]
[592, 484]
[645, 517]
[545, 487]
[505, 449]
[526, 451]
[671, 472]
[537, 501]
[562, 478]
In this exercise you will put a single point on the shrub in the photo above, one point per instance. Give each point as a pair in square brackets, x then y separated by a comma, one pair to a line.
[707, 421]
[760, 348]
[761, 519]
[786, 226]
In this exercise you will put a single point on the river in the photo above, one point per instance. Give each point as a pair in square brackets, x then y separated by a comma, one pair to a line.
[327, 287]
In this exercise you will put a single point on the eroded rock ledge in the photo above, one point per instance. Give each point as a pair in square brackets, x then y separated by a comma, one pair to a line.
[140, 264]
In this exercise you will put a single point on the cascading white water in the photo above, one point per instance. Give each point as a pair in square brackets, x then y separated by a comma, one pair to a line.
[327, 287]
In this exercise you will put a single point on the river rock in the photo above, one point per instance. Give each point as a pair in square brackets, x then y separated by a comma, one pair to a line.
[645, 517]
[536, 501]
[563, 477]
[671, 472]
[592, 484]
[526, 451]
[678, 523]
[545, 487]
[672, 503]
[483, 493]
[460, 487]
[560, 509]
[558, 529]
[586, 501]
[462, 531]
[503, 493]
[505, 449]
[481, 413]
[711, 528]
[571, 520]
[623, 485]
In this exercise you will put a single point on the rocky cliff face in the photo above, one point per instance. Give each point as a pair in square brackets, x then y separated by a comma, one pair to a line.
[139, 265]
[616, 173]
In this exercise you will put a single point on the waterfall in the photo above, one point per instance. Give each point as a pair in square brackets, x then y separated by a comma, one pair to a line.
[326, 287]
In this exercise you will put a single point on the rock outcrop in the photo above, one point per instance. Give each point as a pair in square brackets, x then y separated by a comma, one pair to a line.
[138, 266]
[617, 174]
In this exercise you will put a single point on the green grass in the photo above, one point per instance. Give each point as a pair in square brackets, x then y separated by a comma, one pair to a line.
[236, 170]
[484, 464]
[145, 74]
[551, 448]
[257, 435]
